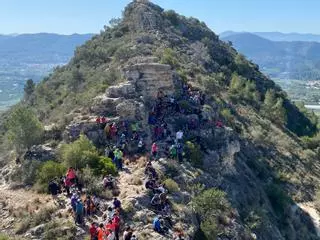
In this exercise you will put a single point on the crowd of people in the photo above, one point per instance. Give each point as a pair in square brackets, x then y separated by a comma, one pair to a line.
[119, 135]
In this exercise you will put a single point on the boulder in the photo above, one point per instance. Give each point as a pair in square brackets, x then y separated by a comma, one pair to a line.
[40, 153]
[126, 90]
[149, 78]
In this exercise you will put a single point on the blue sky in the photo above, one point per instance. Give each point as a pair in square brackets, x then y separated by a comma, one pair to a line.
[84, 16]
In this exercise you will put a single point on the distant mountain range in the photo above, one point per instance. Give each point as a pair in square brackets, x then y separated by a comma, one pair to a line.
[279, 59]
[40, 47]
[32, 56]
[278, 36]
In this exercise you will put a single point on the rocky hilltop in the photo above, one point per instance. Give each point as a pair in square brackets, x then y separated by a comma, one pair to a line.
[245, 170]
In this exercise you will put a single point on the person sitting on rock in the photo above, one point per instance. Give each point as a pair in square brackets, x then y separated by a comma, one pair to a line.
[150, 184]
[116, 203]
[108, 182]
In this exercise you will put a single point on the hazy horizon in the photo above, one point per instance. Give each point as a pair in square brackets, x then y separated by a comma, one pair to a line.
[66, 18]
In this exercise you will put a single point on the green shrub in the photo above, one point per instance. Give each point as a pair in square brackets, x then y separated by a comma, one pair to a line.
[273, 108]
[169, 56]
[52, 230]
[24, 128]
[278, 198]
[27, 173]
[106, 166]
[4, 237]
[172, 16]
[210, 205]
[194, 154]
[227, 115]
[48, 171]
[78, 153]
[171, 185]
[92, 183]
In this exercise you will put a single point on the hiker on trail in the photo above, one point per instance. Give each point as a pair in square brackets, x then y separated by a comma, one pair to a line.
[110, 213]
[116, 203]
[98, 120]
[154, 150]
[150, 184]
[103, 122]
[118, 158]
[111, 154]
[93, 230]
[127, 234]
[157, 224]
[219, 124]
[179, 235]
[71, 175]
[140, 146]
[161, 189]
[107, 130]
[152, 118]
[110, 225]
[150, 172]
[113, 130]
[173, 151]
[180, 152]
[74, 200]
[79, 212]
[53, 188]
[155, 201]
[179, 135]
[89, 206]
[101, 232]
[116, 222]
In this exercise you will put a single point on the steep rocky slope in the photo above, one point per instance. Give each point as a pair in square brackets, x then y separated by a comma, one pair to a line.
[257, 158]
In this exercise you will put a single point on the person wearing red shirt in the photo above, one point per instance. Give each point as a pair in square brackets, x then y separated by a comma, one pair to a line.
[116, 222]
[110, 225]
[71, 175]
[93, 231]
[98, 120]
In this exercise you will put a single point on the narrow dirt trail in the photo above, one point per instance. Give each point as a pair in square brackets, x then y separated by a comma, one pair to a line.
[309, 208]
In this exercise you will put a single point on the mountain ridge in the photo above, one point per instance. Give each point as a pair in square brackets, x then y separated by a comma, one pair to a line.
[245, 165]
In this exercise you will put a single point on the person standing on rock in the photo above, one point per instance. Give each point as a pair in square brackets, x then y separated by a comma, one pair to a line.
[79, 212]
